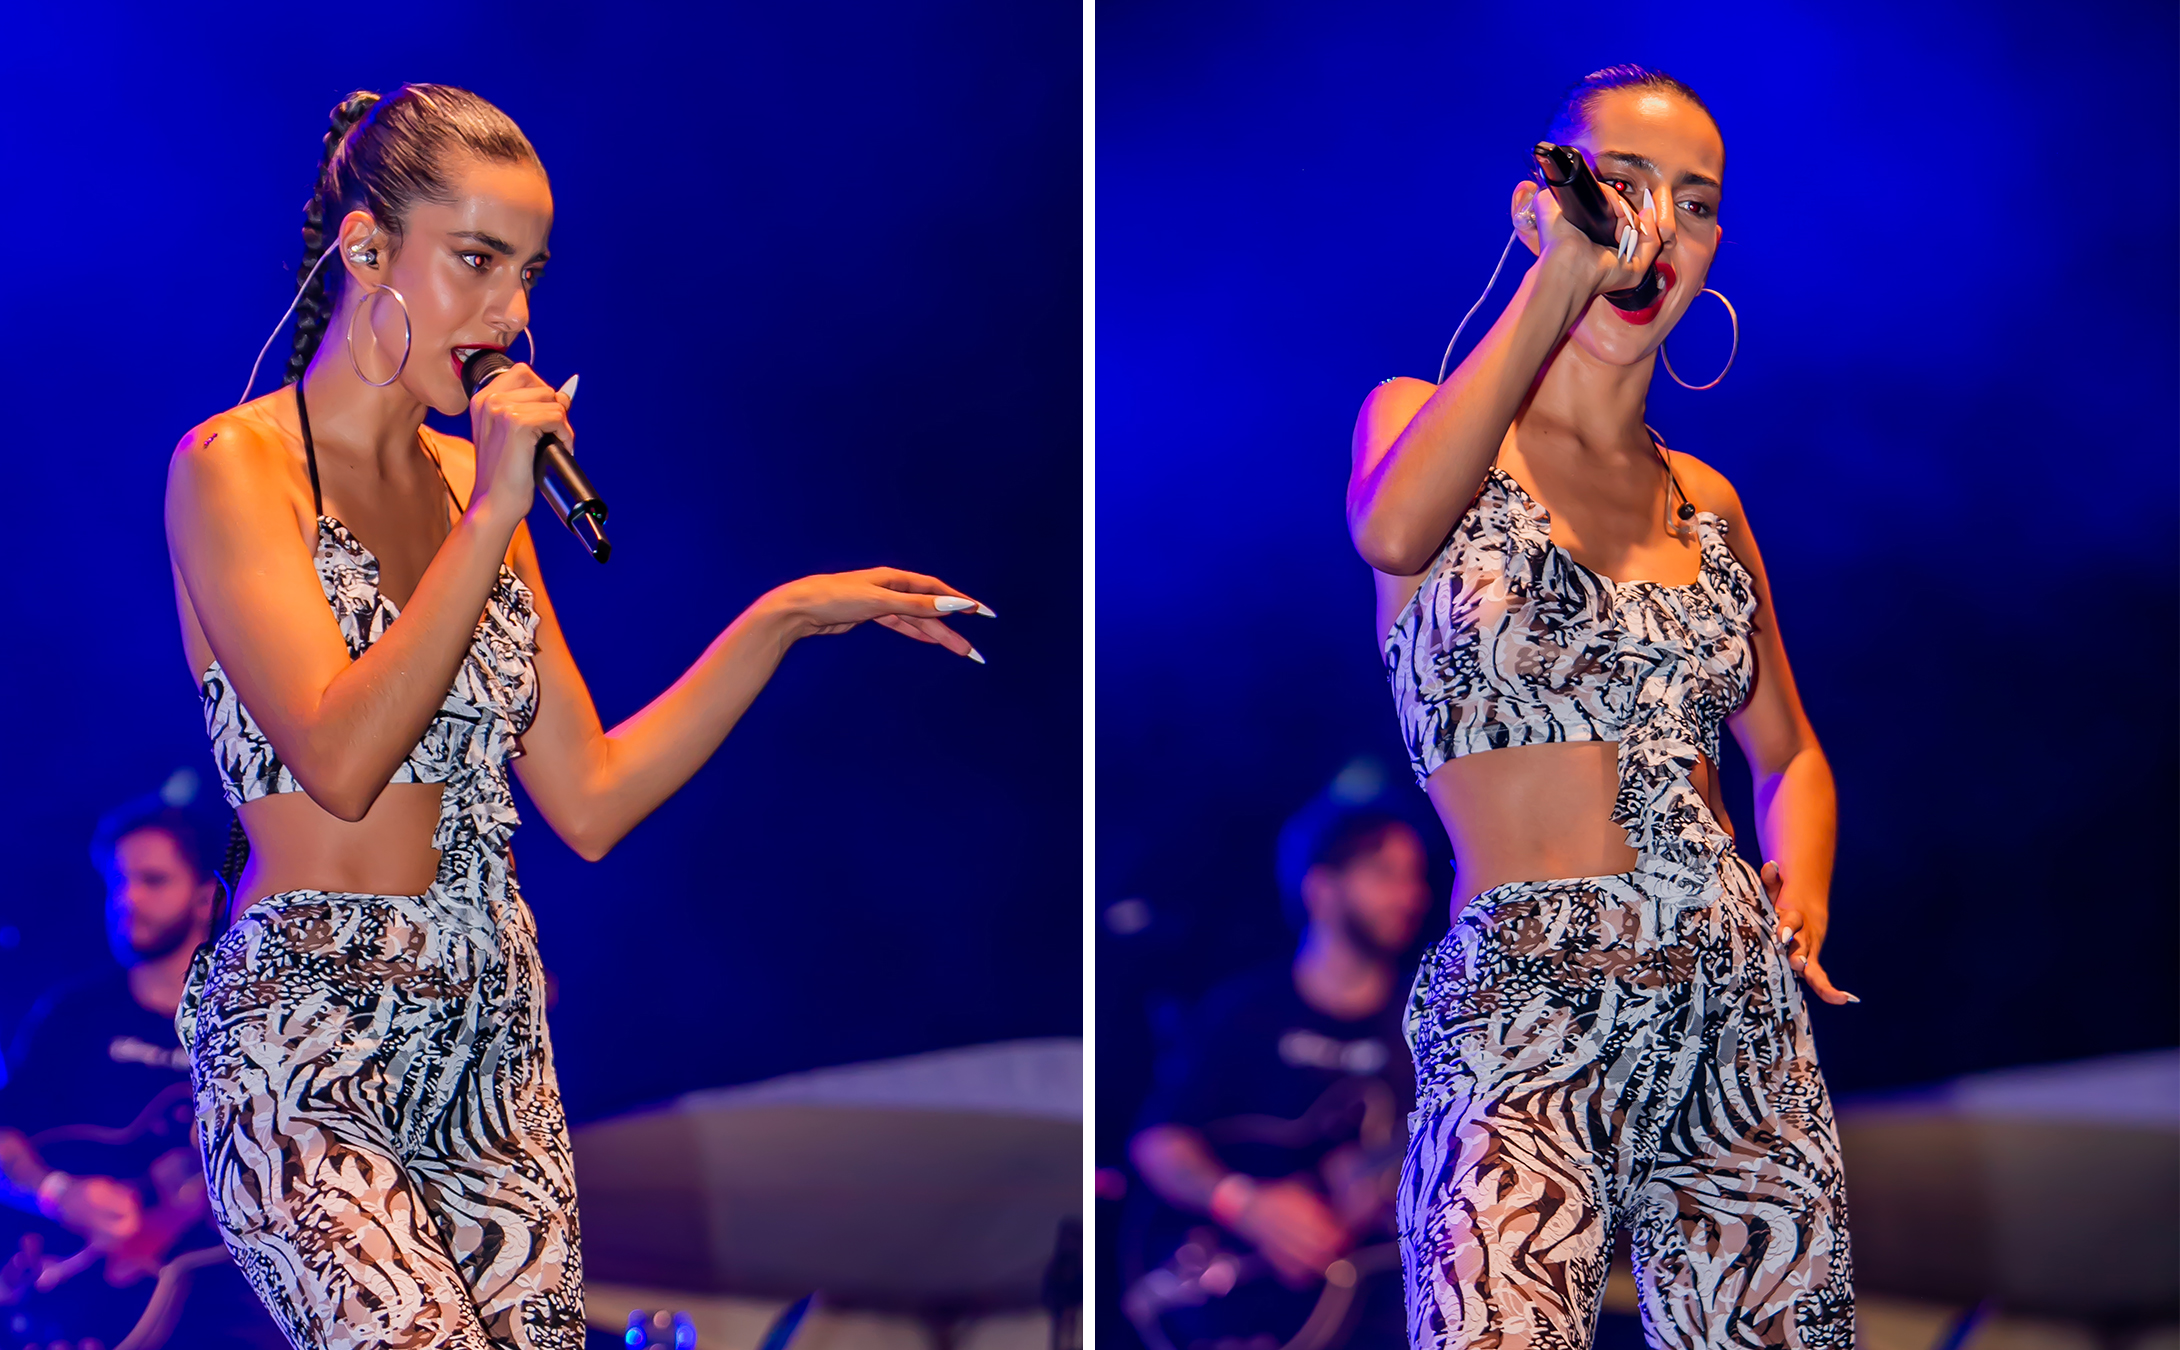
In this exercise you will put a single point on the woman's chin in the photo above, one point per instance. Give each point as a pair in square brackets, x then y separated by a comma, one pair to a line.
[1616, 349]
[440, 396]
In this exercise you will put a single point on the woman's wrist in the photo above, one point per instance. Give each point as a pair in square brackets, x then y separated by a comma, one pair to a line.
[1811, 902]
[494, 516]
[1565, 285]
[776, 618]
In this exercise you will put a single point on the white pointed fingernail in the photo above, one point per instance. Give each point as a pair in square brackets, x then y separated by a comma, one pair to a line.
[977, 656]
[1784, 932]
[986, 611]
[1852, 999]
[1646, 199]
[952, 604]
[567, 391]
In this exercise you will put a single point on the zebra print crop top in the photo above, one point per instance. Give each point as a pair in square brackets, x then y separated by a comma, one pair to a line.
[1509, 641]
[476, 731]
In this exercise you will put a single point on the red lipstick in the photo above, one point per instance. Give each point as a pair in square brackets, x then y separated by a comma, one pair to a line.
[1650, 311]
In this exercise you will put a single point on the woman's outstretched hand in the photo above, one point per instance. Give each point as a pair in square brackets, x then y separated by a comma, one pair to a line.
[1805, 934]
[906, 602]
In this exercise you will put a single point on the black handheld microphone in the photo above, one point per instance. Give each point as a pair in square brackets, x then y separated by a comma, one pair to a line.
[1582, 200]
[574, 500]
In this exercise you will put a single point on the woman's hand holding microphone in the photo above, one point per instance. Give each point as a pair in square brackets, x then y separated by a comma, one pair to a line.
[1565, 250]
[507, 418]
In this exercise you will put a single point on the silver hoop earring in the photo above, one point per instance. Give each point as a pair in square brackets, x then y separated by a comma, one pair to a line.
[526, 333]
[1731, 352]
[408, 335]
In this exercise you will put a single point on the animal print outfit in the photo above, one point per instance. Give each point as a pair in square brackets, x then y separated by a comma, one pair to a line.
[1607, 1052]
[381, 1126]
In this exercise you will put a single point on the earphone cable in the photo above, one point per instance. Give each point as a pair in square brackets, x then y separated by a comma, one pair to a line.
[1443, 360]
[247, 384]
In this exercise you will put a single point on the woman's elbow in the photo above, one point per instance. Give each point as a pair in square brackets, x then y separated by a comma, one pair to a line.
[1387, 545]
[344, 801]
[590, 840]
[592, 850]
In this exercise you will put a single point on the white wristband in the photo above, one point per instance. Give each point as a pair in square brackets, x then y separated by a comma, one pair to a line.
[50, 1189]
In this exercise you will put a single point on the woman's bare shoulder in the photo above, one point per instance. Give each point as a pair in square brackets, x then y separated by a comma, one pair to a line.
[1708, 488]
[244, 449]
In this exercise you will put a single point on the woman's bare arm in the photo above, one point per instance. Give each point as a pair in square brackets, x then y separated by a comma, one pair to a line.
[1420, 452]
[341, 726]
[1797, 807]
[593, 786]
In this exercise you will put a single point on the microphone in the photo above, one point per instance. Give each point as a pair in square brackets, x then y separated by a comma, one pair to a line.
[1582, 200]
[573, 499]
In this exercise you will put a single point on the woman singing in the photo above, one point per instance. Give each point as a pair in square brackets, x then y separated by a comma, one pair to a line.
[1611, 1036]
[381, 1128]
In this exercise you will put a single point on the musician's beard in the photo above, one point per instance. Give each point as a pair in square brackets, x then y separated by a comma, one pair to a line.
[161, 942]
[1363, 938]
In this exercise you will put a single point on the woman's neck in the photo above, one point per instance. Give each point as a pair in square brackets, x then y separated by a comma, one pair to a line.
[364, 421]
[1584, 400]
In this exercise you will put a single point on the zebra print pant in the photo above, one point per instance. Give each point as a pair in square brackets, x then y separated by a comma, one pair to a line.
[381, 1127]
[1600, 1053]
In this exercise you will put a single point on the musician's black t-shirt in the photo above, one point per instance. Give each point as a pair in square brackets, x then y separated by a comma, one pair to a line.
[90, 1054]
[1274, 1084]
[100, 1084]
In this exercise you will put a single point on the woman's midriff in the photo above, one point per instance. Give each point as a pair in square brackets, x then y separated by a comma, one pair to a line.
[297, 845]
[1539, 813]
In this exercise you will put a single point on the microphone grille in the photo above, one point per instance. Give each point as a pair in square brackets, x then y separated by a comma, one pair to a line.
[481, 366]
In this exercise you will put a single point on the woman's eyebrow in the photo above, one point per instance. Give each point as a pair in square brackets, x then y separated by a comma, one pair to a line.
[1689, 179]
[498, 245]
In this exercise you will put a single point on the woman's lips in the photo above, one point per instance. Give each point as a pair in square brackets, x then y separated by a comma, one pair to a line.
[1650, 311]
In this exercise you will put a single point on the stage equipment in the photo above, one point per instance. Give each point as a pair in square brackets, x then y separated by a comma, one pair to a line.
[2046, 1190]
[934, 1185]
[573, 499]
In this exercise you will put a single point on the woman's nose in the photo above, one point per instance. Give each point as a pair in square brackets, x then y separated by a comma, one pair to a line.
[515, 317]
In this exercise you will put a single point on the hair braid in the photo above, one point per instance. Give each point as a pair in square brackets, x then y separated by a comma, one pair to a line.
[315, 305]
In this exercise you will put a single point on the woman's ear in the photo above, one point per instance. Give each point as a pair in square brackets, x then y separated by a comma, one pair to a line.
[363, 248]
[1525, 216]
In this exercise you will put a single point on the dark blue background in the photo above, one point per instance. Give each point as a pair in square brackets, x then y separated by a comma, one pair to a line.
[1949, 233]
[820, 268]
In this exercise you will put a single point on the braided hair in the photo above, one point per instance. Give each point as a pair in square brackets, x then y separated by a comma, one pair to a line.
[383, 155]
